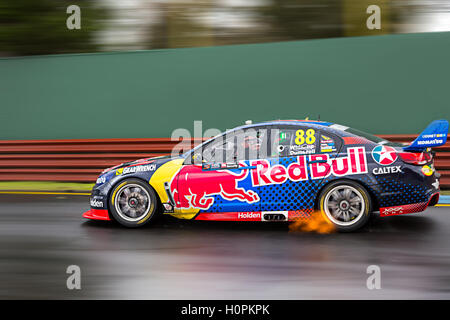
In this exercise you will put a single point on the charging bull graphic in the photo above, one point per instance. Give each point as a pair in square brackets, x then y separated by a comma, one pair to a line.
[190, 192]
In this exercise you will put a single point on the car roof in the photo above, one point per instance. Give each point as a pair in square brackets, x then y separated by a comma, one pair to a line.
[299, 122]
[312, 123]
[316, 124]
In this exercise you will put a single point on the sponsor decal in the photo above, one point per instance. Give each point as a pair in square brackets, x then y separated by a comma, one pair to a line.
[386, 170]
[230, 216]
[327, 144]
[431, 142]
[302, 149]
[168, 208]
[327, 147]
[231, 165]
[390, 211]
[274, 215]
[353, 163]
[100, 180]
[284, 137]
[96, 203]
[435, 184]
[432, 139]
[302, 137]
[325, 139]
[384, 155]
[134, 169]
[434, 135]
[406, 208]
[216, 182]
[220, 166]
[249, 215]
[427, 170]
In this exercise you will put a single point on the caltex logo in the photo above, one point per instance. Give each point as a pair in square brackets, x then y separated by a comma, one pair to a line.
[384, 155]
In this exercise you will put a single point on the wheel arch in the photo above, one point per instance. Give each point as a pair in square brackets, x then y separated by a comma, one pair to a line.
[114, 185]
[373, 197]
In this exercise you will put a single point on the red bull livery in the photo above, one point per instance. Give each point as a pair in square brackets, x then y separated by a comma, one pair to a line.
[277, 171]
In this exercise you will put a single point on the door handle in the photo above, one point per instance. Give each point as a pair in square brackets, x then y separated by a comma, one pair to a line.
[318, 161]
[247, 167]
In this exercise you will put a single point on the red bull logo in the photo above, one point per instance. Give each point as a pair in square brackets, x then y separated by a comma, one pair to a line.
[189, 193]
[320, 166]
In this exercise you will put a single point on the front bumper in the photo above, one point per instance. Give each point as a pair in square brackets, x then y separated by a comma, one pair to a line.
[97, 214]
[98, 202]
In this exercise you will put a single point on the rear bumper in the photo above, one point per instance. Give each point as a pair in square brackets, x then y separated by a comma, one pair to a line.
[410, 208]
[97, 214]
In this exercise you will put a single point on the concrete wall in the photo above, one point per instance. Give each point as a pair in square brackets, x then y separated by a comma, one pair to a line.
[382, 84]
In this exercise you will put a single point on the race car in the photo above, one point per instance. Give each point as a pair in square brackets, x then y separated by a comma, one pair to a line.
[281, 170]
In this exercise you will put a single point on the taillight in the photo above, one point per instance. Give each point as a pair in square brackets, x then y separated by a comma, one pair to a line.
[416, 158]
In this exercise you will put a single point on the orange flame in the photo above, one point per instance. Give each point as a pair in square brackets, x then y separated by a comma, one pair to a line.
[317, 222]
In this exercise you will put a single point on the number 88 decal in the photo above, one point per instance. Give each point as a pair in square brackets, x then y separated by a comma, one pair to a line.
[309, 139]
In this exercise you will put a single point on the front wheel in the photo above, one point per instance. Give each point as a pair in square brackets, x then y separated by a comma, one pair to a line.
[133, 203]
[346, 204]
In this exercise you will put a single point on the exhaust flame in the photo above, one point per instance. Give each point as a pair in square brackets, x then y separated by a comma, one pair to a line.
[316, 222]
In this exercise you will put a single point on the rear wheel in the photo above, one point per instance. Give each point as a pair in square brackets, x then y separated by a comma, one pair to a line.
[346, 204]
[133, 203]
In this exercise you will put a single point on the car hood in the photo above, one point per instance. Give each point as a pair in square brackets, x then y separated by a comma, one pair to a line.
[154, 160]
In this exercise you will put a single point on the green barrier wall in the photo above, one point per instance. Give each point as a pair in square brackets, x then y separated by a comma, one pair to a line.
[383, 84]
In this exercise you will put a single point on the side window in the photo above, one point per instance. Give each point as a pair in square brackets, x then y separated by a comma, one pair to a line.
[295, 140]
[329, 143]
[247, 144]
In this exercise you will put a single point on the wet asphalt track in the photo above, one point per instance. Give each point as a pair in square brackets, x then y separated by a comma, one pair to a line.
[41, 235]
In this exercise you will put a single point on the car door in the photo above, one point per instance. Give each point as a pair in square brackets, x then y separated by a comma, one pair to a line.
[289, 179]
[219, 179]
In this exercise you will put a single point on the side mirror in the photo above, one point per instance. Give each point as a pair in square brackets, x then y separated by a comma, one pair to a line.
[196, 158]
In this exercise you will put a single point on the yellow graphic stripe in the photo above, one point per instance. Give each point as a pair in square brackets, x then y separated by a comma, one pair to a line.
[48, 193]
[165, 173]
[115, 191]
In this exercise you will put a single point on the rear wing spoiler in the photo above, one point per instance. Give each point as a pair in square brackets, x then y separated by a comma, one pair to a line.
[434, 135]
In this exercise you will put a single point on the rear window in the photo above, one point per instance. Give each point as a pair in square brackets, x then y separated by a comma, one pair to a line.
[367, 136]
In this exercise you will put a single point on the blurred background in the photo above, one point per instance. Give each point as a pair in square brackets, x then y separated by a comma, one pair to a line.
[67, 114]
[29, 27]
[218, 61]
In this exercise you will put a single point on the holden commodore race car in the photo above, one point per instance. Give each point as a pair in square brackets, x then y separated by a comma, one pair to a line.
[280, 170]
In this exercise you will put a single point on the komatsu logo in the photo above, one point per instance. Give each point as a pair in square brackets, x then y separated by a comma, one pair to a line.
[430, 142]
[320, 166]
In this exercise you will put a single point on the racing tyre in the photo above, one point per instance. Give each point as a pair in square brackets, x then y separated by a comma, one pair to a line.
[133, 203]
[346, 204]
